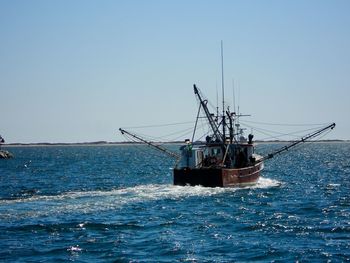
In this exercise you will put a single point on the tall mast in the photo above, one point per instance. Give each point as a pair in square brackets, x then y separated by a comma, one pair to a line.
[223, 92]
[233, 94]
[217, 104]
[232, 124]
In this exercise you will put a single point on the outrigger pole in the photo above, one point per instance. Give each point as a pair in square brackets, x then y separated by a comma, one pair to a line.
[162, 149]
[302, 140]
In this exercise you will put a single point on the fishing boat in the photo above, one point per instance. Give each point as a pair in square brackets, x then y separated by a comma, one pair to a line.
[226, 158]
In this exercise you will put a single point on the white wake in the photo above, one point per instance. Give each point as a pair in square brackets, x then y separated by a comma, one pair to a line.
[92, 201]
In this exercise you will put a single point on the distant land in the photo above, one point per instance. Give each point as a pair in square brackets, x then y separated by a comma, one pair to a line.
[128, 142]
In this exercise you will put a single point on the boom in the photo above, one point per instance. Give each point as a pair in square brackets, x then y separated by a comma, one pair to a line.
[302, 140]
[212, 123]
[162, 149]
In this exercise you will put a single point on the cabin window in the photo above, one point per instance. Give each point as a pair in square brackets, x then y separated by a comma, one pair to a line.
[215, 151]
[199, 157]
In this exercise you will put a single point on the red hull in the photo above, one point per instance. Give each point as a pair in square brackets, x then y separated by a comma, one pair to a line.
[218, 177]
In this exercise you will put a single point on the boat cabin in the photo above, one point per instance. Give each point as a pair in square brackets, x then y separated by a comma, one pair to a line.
[211, 155]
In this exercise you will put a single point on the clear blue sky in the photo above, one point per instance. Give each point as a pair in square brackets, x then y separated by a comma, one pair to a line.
[75, 71]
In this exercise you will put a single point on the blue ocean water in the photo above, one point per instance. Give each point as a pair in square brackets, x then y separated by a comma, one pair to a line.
[118, 204]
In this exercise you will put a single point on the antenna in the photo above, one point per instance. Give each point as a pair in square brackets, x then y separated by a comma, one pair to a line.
[239, 98]
[223, 91]
[233, 93]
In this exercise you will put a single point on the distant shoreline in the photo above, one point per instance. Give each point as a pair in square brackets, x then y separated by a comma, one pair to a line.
[105, 143]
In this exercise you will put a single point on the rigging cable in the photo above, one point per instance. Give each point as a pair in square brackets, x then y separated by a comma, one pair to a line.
[266, 131]
[287, 124]
[158, 125]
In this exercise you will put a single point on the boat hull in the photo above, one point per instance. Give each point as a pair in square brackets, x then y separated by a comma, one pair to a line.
[218, 177]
